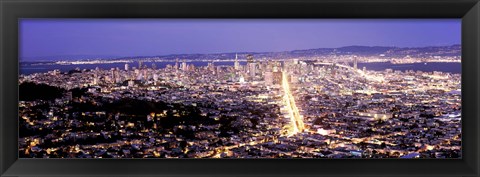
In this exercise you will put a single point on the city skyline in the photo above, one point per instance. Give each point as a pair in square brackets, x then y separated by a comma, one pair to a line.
[349, 102]
[156, 37]
[242, 53]
[315, 108]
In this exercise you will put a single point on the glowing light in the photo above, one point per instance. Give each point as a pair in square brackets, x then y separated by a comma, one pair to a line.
[322, 131]
[295, 118]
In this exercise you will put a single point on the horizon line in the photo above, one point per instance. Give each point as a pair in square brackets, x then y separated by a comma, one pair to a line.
[230, 52]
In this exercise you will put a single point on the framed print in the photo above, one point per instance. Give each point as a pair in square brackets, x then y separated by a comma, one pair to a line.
[333, 102]
[239, 88]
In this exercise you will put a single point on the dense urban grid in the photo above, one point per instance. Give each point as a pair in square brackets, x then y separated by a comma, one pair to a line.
[267, 108]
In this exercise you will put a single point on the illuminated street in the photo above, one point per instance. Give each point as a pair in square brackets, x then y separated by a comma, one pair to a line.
[295, 117]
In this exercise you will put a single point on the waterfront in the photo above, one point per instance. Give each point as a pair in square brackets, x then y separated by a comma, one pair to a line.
[454, 68]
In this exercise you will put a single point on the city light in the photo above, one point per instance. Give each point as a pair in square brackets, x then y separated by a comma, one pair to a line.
[295, 118]
[307, 107]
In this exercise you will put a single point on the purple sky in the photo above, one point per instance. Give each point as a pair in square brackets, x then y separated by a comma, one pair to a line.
[136, 37]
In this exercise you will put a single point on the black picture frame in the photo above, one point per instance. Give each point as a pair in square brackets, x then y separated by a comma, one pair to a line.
[12, 10]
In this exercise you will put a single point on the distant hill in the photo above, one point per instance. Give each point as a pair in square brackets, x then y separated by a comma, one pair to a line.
[453, 50]
[67, 57]
[399, 52]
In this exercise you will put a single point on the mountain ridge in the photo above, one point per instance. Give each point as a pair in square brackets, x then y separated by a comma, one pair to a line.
[358, 50]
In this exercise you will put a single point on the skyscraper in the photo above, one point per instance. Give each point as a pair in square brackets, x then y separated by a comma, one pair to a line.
[95, 79]
[236, 64]
[184, 65]
[268, 76]
[126, 67]
[252, 70]
[176, 65]
[277, 77]
[355, 61]
[251, 67]
[211, 66]
[112, 74]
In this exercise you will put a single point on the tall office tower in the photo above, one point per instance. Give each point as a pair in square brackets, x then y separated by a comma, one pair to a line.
[112, 74]
[277, 77]
[145, 74]
[118, 78]
[126, 67]
[140, 64]
[184, 65]
[95, 79]
[355, 61]
[211, 66]
[116, 73]
[176, 65]
[252, 70]
[154, 66]
[250, 66]
[236, 65]
[268, 76]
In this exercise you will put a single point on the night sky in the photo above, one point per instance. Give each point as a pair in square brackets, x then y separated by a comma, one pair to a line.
[142, 37]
